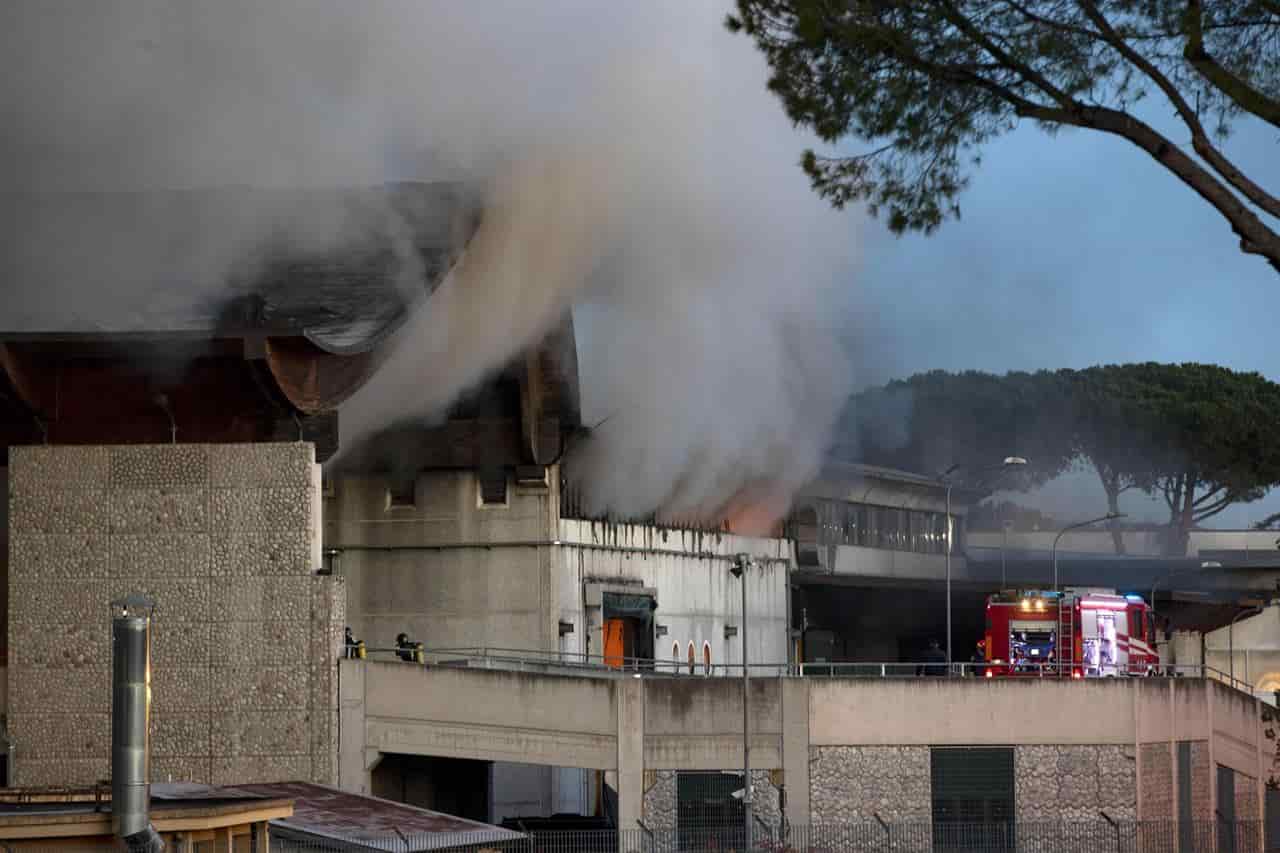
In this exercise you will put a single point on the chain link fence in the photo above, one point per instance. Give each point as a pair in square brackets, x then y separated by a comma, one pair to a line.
[871, 837]
[866, 837]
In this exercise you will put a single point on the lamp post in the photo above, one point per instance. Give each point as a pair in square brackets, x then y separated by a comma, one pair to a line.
[1004, 546]
[1111, 516]
[1009, 462]
[739, 570]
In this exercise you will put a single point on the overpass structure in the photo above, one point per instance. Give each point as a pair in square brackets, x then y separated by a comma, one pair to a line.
[843, 749]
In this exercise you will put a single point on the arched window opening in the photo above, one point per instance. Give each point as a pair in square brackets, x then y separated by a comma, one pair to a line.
[706, 658]
[691, 658]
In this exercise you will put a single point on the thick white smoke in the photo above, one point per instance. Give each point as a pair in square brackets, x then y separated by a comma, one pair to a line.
[636, 170]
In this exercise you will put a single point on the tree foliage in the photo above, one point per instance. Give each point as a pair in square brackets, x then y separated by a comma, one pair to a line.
[1199, 436]
[933, 421]
[926, 83]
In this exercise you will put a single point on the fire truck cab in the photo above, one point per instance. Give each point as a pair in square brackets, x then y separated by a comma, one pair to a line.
[1075, 633]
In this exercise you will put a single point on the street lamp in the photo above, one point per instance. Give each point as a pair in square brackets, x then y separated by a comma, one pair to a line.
[1111, 516]
[1009, 462]
[1004, 546]
[741, 563]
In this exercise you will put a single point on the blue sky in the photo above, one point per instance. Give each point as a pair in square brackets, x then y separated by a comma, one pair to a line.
[1073, 250]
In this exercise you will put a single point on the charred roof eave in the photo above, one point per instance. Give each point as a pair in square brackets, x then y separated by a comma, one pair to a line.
[275, 354]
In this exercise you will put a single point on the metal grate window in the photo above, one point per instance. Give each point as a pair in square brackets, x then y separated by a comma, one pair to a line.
[972, 787]
[705, 801]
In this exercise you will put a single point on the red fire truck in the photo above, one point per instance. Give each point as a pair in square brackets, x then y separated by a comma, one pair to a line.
[1076, 633]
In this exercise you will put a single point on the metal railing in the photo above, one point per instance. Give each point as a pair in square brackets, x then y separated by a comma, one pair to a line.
[491, 657]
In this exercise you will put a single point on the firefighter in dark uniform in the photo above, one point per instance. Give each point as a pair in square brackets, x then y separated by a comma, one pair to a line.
[980, 658]
[404, 648]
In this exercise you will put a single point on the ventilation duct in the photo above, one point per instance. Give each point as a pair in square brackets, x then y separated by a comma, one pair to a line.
[131, 724]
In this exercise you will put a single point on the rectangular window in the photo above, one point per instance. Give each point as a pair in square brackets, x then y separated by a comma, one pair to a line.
[850, 532]
[972, 793]
[863, 516]
[492, 486]
[830, 522]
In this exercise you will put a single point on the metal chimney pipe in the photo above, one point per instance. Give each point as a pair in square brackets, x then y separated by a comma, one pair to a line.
[131, 724]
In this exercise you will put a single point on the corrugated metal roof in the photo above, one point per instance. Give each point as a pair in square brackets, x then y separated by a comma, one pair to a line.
[321, 811]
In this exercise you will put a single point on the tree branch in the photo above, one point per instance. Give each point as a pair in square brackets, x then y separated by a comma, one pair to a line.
[1245, 96]
[1255, 237]
[1005, 58]
[1199, 138]
[1207, 495]
[1213, 508]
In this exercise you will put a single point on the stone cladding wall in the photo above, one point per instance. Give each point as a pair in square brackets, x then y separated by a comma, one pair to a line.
[1155, 766]
[660, 799]
[1074, 783]
[1246, 797]
[849, 784]
[245, 636]
[1201, 794]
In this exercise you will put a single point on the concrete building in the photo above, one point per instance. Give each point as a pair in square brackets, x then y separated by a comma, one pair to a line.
[511, 576]
[226, 540]
[872, 555]
[845, 750]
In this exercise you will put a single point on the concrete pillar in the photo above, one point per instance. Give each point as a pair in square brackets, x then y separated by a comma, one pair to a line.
[353, 768]
[629, 693]
[795, 748]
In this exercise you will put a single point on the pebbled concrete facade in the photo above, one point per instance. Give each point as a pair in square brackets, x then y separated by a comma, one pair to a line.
[246, 635]
[660, 808]
[1201, 793]
[851, 784]
[660, 799]
[1074, 783]
[1246, 802]
[1155, 766]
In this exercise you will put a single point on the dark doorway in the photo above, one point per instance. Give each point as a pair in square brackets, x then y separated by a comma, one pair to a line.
[455, 786]
[628, 629]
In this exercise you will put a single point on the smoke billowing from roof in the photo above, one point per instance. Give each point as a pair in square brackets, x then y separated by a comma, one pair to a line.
[634, 165]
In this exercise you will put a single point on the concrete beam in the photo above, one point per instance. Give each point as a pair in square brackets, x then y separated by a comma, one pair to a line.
[492, 743]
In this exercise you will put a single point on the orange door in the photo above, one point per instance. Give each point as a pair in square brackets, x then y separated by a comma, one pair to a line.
[614, 642]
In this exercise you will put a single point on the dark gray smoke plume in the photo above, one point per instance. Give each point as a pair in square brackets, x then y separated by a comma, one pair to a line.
[633, 166]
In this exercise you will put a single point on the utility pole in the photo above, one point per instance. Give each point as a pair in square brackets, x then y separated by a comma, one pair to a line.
[740, 564]
[948, 580]
[945, 477]
[1004, 546]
